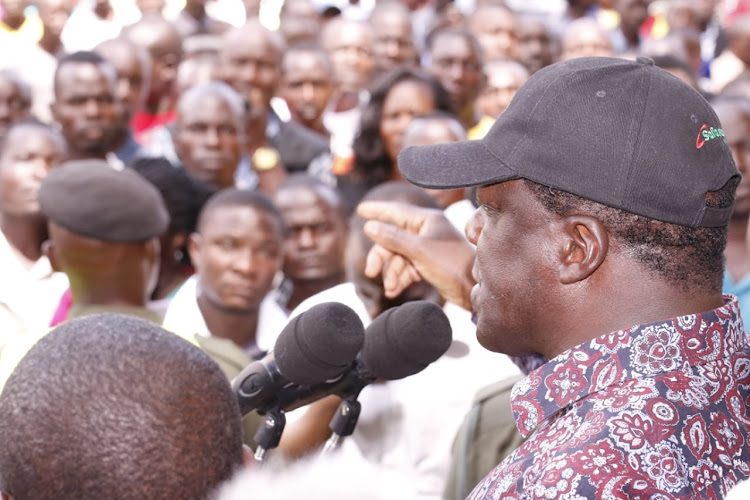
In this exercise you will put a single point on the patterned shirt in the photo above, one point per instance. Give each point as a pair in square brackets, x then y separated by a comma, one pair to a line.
[655, 411]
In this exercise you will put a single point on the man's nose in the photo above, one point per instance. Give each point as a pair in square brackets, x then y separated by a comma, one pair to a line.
[473, 227]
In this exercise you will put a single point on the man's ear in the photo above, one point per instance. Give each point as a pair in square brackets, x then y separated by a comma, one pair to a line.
[5, 496]
[584, 248]
[53, 110]
[193, 246]
[48, 250]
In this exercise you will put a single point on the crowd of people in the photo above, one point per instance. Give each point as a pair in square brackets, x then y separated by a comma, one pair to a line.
[178, 179]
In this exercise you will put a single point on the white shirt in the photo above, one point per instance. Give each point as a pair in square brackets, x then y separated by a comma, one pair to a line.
[85, 30]
[32, 294]
[184, 317]
[459, 213]
[409, 424]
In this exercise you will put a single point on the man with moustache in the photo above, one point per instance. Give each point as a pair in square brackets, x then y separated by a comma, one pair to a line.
[316, 231]
[599, 262]
[133, 66]
[236, 251]
[250, 62]
[87, 106]
[208, 134]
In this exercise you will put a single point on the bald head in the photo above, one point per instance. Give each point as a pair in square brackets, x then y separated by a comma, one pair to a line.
[209, 133]
[163, 42]
[503, 79]
[585, 38]
[350, 46]
[217, 90]
[250, 61]
[496, 29]
[133, 66]
[112, 406]
[155, 34]
[393, 43]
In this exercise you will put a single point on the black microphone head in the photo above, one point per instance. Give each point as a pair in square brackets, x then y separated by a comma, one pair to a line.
[319, 344]
[403, 340]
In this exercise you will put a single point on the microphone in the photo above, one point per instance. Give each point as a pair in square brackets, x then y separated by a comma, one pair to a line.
[317, 345]
[400, 342]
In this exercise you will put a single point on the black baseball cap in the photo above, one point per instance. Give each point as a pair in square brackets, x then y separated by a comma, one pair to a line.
[622, 133]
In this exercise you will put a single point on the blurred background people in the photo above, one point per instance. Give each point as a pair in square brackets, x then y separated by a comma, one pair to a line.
[395, 98]
[316, 220]
[455, 59]
[15, 101]
[87, 107]
[30, 288]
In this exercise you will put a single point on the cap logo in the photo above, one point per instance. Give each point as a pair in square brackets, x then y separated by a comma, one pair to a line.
[706, 134]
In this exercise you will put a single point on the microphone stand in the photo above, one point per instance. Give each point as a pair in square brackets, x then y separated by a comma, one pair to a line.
[269, 433]
[343, 423]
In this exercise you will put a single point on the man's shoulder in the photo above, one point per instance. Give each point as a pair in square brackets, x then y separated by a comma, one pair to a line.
[183, 307]
[643, 436]
[298, 145]
[228, 355]
[344, 293]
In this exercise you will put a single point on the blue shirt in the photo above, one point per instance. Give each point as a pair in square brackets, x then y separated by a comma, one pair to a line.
[741, 289]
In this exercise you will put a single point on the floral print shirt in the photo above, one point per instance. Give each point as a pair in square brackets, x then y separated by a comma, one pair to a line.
[655, 411]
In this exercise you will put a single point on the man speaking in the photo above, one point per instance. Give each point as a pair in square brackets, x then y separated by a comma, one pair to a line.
[604, 194]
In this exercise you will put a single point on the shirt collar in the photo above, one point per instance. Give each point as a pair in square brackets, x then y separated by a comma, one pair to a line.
[641, 351]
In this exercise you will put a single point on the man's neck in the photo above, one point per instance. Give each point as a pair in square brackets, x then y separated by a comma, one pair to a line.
[345, 101]
[576, 12]
[14, 23]
[256, 133]
[160, 105]
[195, 10]
[103, 10]
[239, 327]
[25, 234]
[97, 296]
[51, 43]
[469, 116]
[303, 289]
[624, 298]
[84, 155]
[736, 259]
[316, 126]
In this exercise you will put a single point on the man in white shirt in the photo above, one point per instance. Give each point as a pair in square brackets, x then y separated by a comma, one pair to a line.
[237, 252]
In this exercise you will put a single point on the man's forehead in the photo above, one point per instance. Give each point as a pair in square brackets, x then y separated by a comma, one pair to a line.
[452, 44]
[303, 62]
[251, 51]
[205, 106]
[8, 87]
[226, 216]
[79, 78]
[489, 193]
[25, 137]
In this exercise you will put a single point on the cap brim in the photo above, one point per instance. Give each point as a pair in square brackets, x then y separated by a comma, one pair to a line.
[453, 165]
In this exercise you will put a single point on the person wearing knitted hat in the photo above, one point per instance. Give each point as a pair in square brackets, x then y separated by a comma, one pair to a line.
[604, 191]
[104, 228]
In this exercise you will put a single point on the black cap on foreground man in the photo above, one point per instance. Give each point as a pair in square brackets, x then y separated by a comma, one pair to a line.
[605, 190]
